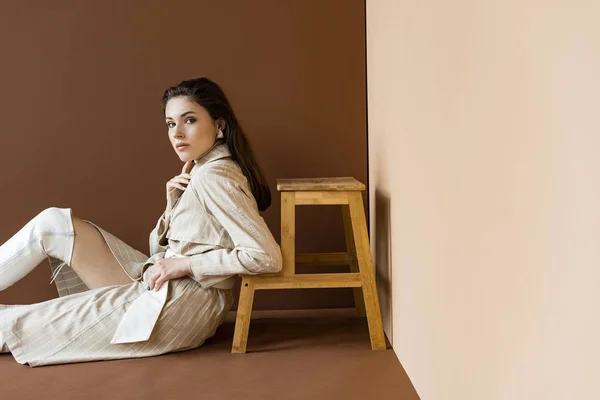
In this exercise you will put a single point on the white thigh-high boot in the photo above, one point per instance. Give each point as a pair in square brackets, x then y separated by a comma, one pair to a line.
[50, 233]
[3, 346]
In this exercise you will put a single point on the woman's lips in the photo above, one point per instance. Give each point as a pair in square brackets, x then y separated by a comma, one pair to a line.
[182, 147]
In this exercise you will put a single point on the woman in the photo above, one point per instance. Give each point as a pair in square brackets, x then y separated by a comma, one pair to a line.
[115, 302]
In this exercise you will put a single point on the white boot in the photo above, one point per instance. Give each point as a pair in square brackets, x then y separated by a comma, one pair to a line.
[3, 346]
[50, 233]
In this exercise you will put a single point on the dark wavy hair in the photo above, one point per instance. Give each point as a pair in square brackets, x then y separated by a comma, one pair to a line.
[209, 95]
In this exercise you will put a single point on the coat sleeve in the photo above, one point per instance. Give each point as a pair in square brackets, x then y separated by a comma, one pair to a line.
[223, 192]
[158, 237]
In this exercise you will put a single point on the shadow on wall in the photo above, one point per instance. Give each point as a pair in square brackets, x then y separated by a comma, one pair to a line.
[383, 258]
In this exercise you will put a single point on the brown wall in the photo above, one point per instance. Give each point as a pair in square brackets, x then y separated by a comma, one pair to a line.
[82, 125]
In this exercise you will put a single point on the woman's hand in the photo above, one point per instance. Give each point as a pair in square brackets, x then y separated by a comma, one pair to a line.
[167, 268]
[178, 182]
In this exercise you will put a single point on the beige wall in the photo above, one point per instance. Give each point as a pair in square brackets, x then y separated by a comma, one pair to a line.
[485, 184]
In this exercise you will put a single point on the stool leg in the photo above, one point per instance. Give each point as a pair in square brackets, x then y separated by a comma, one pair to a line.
[244, 313]
[288, 233]
[365, 264]
[359, 300]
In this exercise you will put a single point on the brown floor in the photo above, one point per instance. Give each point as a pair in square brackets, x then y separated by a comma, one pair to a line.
[313, 355]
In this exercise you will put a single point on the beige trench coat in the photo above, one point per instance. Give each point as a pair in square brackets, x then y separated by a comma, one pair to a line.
[215, 221]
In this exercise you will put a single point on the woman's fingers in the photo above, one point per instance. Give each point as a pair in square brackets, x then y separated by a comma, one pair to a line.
[156, 281]
[154, 276]
[175, 182]
[187, 167]
[159, 282]
[181, 180]
[150, 282]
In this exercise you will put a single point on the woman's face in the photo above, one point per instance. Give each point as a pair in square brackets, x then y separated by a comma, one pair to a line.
[189, 123]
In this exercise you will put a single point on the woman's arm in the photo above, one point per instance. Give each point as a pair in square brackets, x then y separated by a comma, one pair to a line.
[158, 236]
[223, 191]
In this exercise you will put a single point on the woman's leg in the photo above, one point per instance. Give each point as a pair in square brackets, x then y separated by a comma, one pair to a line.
[3, 346]
[92, 259]
[50, 233]
[55, 232]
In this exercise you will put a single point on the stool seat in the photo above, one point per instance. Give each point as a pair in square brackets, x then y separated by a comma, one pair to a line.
[341, 191]
[326, 184]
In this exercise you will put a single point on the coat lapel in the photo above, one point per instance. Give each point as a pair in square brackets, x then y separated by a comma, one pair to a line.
[218, 151]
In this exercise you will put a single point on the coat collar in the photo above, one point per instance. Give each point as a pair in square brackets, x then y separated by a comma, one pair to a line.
[217, 151]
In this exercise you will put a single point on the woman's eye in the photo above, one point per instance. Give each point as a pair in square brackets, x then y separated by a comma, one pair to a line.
[191, 120]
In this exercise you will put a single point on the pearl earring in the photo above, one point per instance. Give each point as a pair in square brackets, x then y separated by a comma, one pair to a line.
[220, 134]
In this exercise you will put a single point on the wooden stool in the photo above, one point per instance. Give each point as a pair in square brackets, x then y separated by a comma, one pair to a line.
[330, 191]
